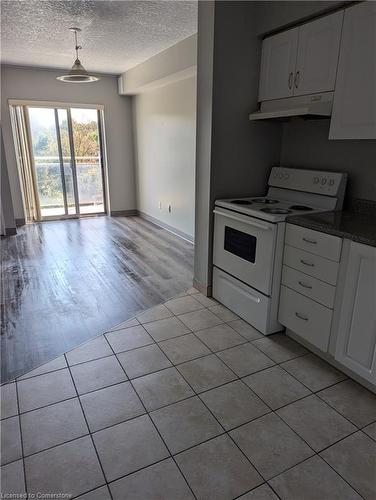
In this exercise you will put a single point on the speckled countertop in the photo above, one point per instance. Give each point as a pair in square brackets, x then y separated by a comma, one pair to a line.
[356, 226]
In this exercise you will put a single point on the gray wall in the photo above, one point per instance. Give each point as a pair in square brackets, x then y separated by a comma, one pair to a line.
[6, 205]
[41, 85]
[203, 222]
[234, 155]
[165, 139]
[305, 144]
[274, 15]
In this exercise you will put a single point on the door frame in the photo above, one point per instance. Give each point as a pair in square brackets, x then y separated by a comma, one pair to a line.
[14, 103]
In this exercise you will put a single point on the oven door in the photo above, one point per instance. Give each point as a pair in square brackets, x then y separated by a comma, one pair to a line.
[244, 247]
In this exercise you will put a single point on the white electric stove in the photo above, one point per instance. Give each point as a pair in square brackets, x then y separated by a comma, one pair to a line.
[249, 237]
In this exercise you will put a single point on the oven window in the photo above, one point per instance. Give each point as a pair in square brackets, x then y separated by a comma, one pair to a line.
[241, 244]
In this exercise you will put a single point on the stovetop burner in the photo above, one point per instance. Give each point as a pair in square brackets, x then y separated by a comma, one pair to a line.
[241, 202]
[275, 210]
[300, 207]
[267, 201]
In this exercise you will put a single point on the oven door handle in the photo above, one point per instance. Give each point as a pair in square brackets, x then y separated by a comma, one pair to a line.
[248, 222]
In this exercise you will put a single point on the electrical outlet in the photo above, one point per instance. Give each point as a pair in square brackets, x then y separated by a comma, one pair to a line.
[169, 208]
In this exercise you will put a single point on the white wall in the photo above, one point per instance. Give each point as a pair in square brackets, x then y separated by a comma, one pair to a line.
[165, 133]
[173, 64]
[41, 85]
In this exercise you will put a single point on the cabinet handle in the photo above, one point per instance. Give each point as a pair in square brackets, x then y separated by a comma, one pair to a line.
[290, 80]
[304, 318]
[297, 78]
[307, 240]
[304, 285]
[310, 264]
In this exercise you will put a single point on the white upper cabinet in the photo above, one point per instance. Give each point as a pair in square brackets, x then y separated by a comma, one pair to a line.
[354, 107]
[356, 342]
[278, 65]
[302, 60]
[318, 51]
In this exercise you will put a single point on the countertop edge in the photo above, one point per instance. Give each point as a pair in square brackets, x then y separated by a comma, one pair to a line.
[323, 228]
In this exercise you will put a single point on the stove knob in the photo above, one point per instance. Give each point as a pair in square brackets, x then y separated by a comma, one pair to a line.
[316, 180]
[323, 181]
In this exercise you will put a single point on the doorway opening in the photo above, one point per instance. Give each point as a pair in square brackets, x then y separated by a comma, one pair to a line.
[61, 160]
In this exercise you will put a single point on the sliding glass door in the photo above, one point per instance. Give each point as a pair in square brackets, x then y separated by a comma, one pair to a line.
[66, 150]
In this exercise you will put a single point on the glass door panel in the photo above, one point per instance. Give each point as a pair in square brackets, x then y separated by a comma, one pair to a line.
[88, 161]
[67, 161]
[66, 146]
[45, 149]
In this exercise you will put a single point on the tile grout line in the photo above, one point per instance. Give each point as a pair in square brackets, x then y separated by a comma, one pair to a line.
[112, 329]
[104, 334]
[225, 432]
[155, 427]
[88, 428]
[238, 378]
[176, 366]
[333, 408]
[315, 453]
[21, 438]
[340, 475]
[271, 410]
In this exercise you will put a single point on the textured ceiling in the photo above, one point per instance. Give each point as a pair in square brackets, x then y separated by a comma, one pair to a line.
[116, 35]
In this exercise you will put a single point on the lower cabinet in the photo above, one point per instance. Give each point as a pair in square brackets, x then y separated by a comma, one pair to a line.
[356, 341]
[308, 319]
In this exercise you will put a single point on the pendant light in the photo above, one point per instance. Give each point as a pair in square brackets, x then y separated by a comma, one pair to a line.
[78, 73]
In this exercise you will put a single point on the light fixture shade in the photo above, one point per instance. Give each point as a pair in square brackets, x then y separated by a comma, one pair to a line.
[77, 74]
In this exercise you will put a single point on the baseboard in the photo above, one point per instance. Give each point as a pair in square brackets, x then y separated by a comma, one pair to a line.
[123, 213]
[168, 228]
[20, 222]
[9, 231]
[204, 289]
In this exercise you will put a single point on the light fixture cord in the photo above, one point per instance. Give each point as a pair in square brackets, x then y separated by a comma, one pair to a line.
[77, 47]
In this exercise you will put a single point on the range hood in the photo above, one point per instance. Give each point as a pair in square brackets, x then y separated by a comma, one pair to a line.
[309, 106]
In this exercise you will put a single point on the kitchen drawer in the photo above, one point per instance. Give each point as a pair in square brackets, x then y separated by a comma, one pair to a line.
[314, 265]
[326, 245]
[248, 303]
[309, 286]
[306, 318]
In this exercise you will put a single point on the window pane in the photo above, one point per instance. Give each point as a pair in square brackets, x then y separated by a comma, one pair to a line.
[88, 161]
[46, 160]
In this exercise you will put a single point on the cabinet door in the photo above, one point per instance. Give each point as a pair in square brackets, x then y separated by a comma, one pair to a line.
[278, 65]
[318, 52]
[357, 328]
[354, 107]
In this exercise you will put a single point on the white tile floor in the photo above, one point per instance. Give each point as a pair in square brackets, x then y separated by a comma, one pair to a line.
[188, 401]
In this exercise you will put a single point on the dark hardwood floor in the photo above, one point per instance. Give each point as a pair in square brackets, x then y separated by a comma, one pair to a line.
[67, 281]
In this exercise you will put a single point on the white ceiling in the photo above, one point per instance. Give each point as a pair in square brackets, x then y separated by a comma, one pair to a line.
[116, 35]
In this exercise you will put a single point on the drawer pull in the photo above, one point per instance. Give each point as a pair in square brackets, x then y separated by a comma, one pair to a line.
[304, 285]
[307, 240]
[301, 317]
[310, 264]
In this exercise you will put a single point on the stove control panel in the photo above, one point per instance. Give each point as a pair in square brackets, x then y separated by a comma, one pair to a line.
[310, 181]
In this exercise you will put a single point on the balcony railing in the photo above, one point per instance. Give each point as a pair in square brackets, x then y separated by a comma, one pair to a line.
[50, 188]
